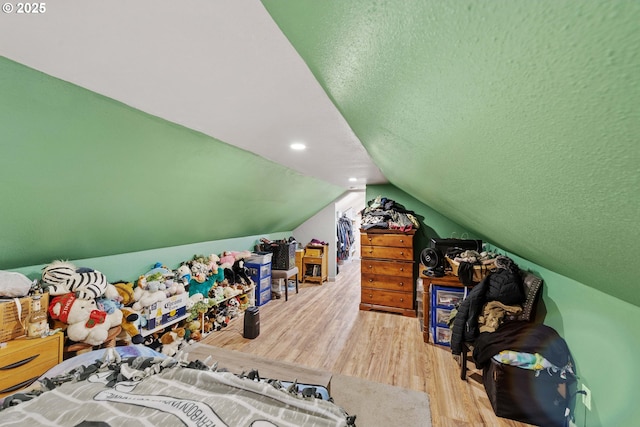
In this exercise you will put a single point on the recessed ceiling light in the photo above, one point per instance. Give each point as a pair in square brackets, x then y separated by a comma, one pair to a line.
[352, 179]
[298, 146]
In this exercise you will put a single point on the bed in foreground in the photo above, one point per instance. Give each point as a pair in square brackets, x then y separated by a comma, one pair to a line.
[111, 388]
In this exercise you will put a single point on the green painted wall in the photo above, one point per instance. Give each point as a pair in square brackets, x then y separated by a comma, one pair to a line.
[518, 120]
[129, 266]
[601, 330]
[604, 339]
[84, 176]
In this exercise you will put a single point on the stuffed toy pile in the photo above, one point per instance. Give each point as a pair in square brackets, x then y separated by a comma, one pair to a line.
[86, 305]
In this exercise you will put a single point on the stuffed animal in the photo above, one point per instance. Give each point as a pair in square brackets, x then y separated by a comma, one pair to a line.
[112, 308]
[193, 330]
[208, 324]
[85, 322]
[125, 290]
[196, 287]
[199, 271]
[233, 308]
[61, 277]
[166, 278]
[218, 276]
[238, 254]
[241, 273]
[131, 323]
[153, 341]
[146, 294]
[245, 301]
[158, 268]
[227, 260]
[230, 292]
[172, 340]
[214, 261]
[220, 321]
[193, 300]
[202, 279]
[218, 294]
[183, 273]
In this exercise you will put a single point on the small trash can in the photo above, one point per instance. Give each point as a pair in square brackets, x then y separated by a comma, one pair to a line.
[251, 323]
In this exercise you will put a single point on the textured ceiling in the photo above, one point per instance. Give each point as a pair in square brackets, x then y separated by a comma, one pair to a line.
[518, 120]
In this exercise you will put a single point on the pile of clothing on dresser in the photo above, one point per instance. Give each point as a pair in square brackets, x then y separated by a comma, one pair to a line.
[385, 213]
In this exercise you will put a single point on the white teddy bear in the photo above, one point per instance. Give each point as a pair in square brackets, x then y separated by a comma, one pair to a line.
[85, 322]
[146, 294]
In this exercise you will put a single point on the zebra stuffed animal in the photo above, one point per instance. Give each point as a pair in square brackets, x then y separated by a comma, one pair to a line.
[63, 277]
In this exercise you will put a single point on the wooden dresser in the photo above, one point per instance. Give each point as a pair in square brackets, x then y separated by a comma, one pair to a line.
[387, 281]
[23, 360]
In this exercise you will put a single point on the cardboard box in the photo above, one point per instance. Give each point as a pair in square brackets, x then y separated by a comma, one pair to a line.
[166, 311]
[11, 326]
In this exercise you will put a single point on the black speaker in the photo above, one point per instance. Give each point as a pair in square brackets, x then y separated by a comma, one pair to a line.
[251, 323]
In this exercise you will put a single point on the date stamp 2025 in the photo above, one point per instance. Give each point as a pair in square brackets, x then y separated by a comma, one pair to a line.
[24, 8]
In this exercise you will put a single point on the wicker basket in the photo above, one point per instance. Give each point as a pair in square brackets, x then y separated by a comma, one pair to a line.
[284, 255]
[479, 271]
[12, 325]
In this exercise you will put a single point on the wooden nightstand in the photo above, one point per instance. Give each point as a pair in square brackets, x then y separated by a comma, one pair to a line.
[23, 360]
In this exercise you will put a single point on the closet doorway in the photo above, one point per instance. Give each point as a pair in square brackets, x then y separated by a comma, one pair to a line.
[347, 224]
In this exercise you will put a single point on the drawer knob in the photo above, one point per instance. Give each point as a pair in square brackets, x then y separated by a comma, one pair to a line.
[401, 283]
[370, 266]
[371, 280]
[370, 296]
[401, 268]
[369, 238]
[401, 299]
[371, 251]
[401, 253]
[401, 240]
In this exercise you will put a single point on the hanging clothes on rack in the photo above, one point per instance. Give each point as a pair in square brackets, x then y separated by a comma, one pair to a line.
[345, 237]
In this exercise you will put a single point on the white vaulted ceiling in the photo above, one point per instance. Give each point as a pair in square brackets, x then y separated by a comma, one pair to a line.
[220, 67]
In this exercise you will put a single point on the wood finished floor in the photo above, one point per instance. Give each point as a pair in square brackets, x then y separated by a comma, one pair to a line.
[322, 328]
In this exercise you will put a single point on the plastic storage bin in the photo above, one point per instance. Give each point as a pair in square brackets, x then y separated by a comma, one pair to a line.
[443, 299]
[263, 297]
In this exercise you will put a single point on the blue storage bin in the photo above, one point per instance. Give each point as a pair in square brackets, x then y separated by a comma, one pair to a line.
[443, 300]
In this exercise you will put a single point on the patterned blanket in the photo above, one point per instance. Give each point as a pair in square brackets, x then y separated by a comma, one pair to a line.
[155, 392]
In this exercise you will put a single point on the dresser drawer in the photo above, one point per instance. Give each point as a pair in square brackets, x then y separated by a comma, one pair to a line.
[395, 240]
[393, 283]
[387, 268]
[387, 252]
[388, 298]
[22, 361]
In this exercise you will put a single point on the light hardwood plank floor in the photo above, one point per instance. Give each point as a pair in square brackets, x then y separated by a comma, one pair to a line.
[322, 328]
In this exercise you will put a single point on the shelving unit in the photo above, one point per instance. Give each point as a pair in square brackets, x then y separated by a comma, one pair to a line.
[315, 263]
[146, 332]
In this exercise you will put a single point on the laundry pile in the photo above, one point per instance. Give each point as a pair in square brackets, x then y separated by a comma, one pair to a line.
[382, 212]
